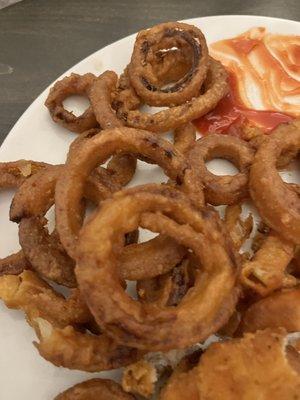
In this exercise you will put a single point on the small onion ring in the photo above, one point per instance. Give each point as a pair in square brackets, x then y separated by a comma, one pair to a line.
[141, 74]
[95, 389]
[70, 85]
[70, 185]
[216, 87]
[222, 189]
[143, 325]
[278, 204]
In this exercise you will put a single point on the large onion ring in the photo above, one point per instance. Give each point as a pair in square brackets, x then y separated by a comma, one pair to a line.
[222, 189]
[145, 326]
[278, 204]
[95, 389]
[141, 72]
[216, 87]
[97, 150]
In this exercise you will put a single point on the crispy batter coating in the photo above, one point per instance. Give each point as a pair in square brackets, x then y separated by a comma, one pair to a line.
[95, 389]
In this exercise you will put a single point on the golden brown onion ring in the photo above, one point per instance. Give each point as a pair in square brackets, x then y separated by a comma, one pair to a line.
[69, 348]
[238, 228]
[14, 173]
[266, 271]
[216, 87]
[101, 99]
[185, 137]
[95, 389]
[39, 300]
[278, 204]
[70, 85]
[222, 189]
[170, 288]
[280, 309]
[148, 44]
[258, 366]
[147, 326]
[98, 149]
[149, 259]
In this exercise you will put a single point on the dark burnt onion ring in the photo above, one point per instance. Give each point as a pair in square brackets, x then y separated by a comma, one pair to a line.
[96, 151]
[147, 326]
[278, 203]
[141, 72]
[70, 85]
[222, 189]
[215, 88]
[95, 389]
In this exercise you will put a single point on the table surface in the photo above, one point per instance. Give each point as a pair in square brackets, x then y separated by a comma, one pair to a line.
[40, 39]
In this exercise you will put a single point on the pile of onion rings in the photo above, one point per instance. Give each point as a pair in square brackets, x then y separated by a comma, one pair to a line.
[203, 273]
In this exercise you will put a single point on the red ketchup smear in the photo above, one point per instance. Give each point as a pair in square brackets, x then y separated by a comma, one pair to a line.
[230, 114]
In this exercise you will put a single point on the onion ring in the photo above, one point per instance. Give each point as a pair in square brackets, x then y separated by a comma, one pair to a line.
[70, 85]
[238, 228]
[94, 152]
[277, 203]
[216, 87]
[69, 348]
[267, 270]
[119, 171]
[222, 189]
[280, 309]
[38, 300]
[95, 389]
[147, 45]
[170, 288]
[146, 326]
[13, 175]
[184, 138]
[44, 252]
[101, 97]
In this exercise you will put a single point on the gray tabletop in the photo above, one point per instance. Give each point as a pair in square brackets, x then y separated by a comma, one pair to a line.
[40, 39]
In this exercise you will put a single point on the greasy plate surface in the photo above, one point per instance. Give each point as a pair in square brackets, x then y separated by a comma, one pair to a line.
[23, 373]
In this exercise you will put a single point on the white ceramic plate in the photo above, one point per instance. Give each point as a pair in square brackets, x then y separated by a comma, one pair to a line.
[23, 373]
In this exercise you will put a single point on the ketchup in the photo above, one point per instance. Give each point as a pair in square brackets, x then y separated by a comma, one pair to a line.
[276, 76]
[231, 113]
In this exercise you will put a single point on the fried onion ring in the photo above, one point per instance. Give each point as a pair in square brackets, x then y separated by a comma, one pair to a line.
[38, 300]
[148, 45]
[70, 85]
[280, 309]
[96, 151]
[222, 189]
[278, 204]
[14, 173]
[267, 269]
[143, 325]
[69, 348]
[216, 87]
[238, 228]
[95, 389]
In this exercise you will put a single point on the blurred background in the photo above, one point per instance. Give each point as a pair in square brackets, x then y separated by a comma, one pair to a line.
[40, 39]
